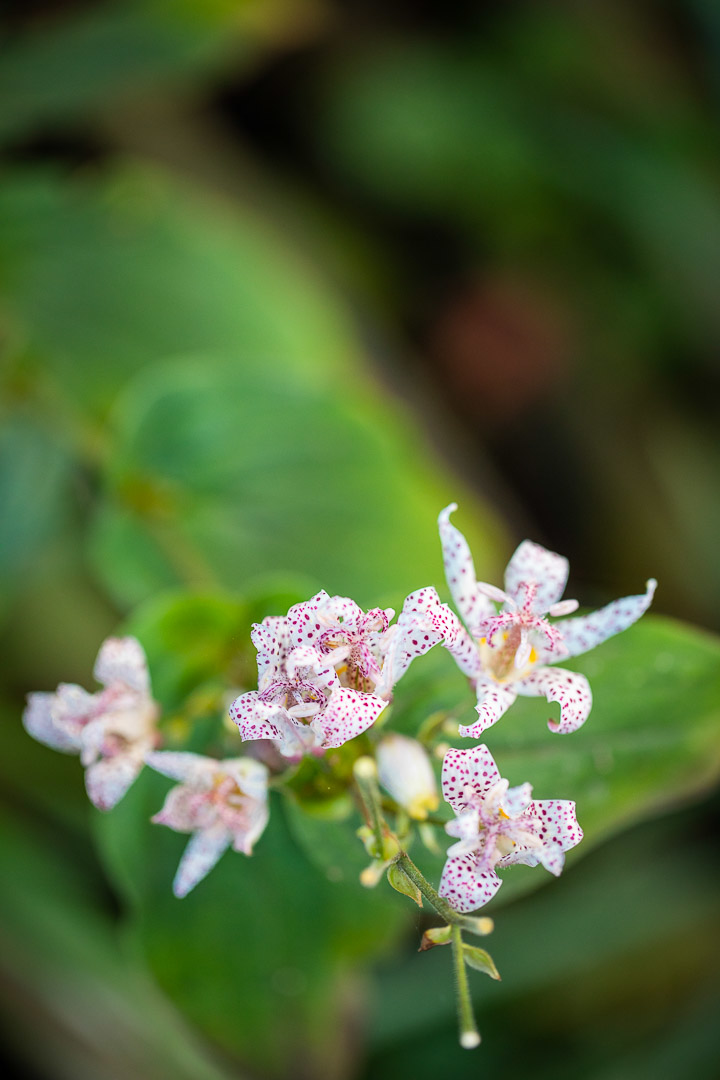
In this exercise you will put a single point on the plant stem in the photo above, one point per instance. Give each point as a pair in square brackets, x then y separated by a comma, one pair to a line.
[469, 1034]
[441, 906]
[365, 772]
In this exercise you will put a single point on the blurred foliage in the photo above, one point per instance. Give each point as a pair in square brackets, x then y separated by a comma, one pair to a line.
[256, 258]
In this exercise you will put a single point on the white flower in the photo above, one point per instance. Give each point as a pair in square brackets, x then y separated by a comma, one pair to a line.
[222, 803]
[406, 773]
[508, 647]
[326, 671]
[111, 730]
[497, 825]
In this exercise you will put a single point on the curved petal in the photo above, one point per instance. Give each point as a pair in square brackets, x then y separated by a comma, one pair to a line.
[415, 633]
[106, 781]
[271, 639]
[348, 713]
[458, 642]
[194, 769]
[251, 776]
[465, 887]
[243, 840]
[201, 854]
[586, 631]
[571, 690]
[474, 768]
[493, 702]
[185, 809]
[39, 722]
[532, 563]
[123, 660]
[516, 800]
[473, 605]
[252, 716]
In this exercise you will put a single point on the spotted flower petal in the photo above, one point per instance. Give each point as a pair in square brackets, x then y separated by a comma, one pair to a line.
[493, 702]
[546, 570]
[586, 631]
[463, 769]
[202, 853]
[415, 633]
[347, 714]
[107, 780]
[194, 769]
[464, 887]
[122, 660]
[472, 604]
[571, 690]
[257, 719]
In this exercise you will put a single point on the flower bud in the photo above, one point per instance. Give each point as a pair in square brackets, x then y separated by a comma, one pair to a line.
[406, 773]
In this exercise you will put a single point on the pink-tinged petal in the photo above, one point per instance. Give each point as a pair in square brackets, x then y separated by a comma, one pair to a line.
[320, 671]
[106, 781]
[461, 769]
[516, 800]
[458, 642]
[72, 707]
[243, 840]
[271, 639]
[341, 609]
[251, 776]
[414, 634]
[194, 769]
[200, 856]
[123, 660]
[493, 702]
[559, 822]
[571, 691]
[185, 809]
[532, 563]
[39, 722]
[473, 605]
[252, 716]
[586, 631]
[348, 713]
[466, 888]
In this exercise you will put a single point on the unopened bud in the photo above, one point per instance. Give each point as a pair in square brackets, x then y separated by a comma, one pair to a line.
[406, 773]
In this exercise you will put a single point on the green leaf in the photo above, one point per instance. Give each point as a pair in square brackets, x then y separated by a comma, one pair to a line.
[436, 935]
[401, 883]
[480, 960]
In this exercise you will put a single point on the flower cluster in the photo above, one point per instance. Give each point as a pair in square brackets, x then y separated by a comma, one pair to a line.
[326, 672]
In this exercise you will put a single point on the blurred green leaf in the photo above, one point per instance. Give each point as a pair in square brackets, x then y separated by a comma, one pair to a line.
[219, 470]
[480, 960]
[651, 740]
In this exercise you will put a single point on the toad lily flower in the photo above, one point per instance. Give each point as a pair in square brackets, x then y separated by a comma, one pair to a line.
[507, 649]
[222, 803]
[111, 730]
[405, 772]
[326, 671]
[497, 825]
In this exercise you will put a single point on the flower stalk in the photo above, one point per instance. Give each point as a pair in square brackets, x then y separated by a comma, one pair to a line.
[469, 1034]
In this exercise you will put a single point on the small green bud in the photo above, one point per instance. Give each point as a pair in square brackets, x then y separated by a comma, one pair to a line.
[437, 935]
[401, 883]
[480, 960]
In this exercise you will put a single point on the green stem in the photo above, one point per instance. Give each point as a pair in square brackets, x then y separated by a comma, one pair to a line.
[449, 914]
[469, 1034]
[365, 772]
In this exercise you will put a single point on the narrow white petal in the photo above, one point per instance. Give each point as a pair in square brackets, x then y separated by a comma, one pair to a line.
[533, 564]
[586, 631]
[473, 605]
[200, 856]
[123, 660]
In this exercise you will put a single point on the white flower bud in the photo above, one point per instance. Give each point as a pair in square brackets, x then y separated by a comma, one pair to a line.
[406, 773]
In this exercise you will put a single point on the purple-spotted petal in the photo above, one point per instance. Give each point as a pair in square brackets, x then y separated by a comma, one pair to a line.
[194, 769]
[458, 642]
[461, 769]
[106, 781]
[465, 887]
[39, 722]
[493, 702]
[516, 800]
[586, 631]
[414, 634]
[123, 660]
[568, 688]
[200, 856]
[532, 563]
[348, 713]
[271, 639]
[252, 716]
[472, 604]
[559, 822]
